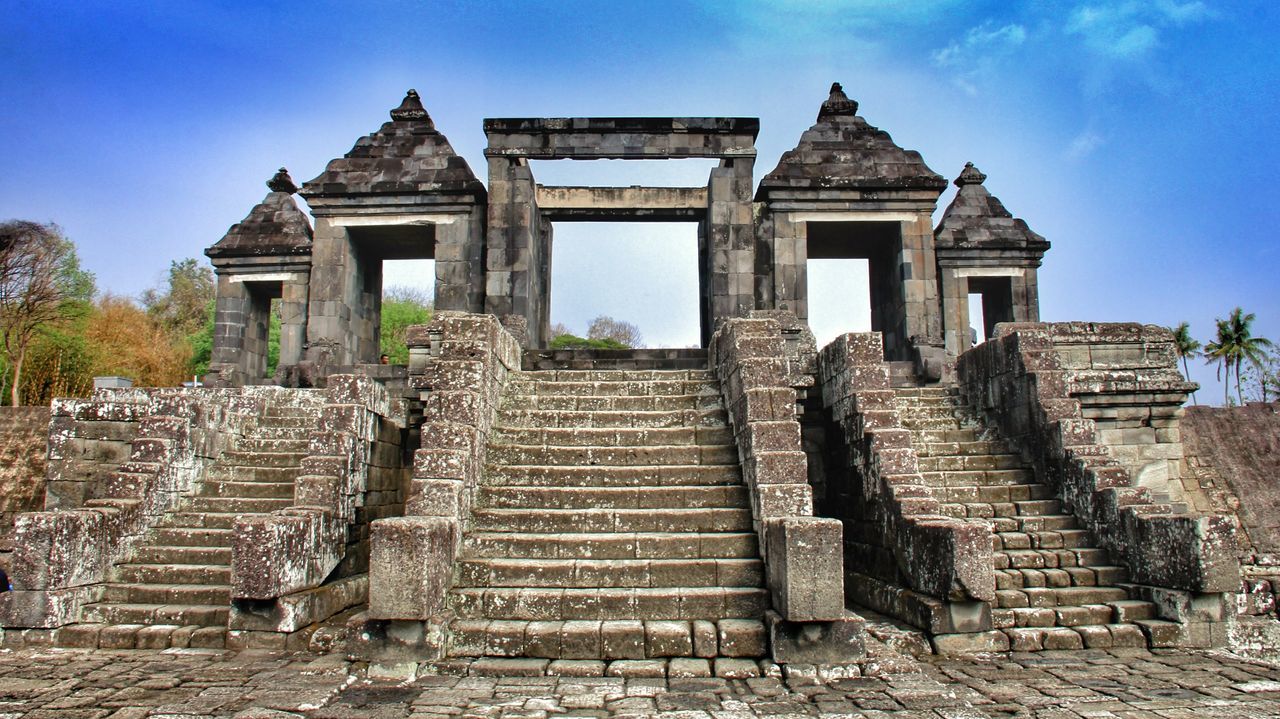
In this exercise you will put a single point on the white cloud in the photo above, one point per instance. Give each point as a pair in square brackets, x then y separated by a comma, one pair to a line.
[1131, 30]
[1084, 144]
[978, 50]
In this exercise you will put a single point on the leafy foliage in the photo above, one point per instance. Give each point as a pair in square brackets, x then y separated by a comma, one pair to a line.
[182, 305]
[1234, 346]
[573, 342]
[401, 308]
[1186, 346]
[607, 328]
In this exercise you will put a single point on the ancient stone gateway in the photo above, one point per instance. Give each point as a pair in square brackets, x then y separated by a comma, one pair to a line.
[647, 511]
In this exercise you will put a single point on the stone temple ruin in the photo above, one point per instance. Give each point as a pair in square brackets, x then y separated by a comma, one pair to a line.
[629, 511]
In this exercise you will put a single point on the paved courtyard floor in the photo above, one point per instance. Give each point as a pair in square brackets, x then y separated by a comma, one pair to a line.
[190, 684]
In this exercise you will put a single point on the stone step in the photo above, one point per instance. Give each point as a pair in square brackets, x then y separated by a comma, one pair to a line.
[611, 388]
[181, 614]
[273, 443]
[240, 505]
[1100, 636]
[1054, 540]
[239, 458]
[929, 436]
[1057, 596]
[510, 418]
[246, 490]
[197, 520]
[256, 475]
[971, 463]
[615, 375]
[612, 520]
[913, 411]
[656, 403]
[992, 494]
[524, 603]
[1130, 610]
[613, 456]
[612, 476]
[927, 391]
[628, 360]
[1087, 615]
[155, 553]
[961, 449]
[1031, 524]
[601, 573]
[934, 424]
[982, 478]
[210, 574]
[725, 496]
[656, 545]
[207, 594]
[180, 536]
[612, 437]
[300, 433]
[1061, 576]
[609, 639]
[273, 421]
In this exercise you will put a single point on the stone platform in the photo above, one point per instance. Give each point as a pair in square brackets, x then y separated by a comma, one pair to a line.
[192, 684]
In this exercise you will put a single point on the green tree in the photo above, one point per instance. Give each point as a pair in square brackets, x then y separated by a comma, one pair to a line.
[181, 305]
[41, 285]
[573, 342]
[1262, 380]
[1186, 346]
[1233, 347]
[401, 308]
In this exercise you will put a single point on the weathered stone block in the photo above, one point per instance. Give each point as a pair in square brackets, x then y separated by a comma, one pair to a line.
[410, 565]
[805, 568]
[828, 642]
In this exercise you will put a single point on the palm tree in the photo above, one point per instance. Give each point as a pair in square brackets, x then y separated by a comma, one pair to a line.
[1186, 346]
[1235, 345]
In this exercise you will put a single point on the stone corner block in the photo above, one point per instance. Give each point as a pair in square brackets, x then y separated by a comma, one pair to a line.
[410, 566]
[805, 567]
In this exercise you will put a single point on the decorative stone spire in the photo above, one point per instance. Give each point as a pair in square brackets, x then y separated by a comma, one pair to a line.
[281, 182]
[970, 175]
[837, 104]
[410, 109]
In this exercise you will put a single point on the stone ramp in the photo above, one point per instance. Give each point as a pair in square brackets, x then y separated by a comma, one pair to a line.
[612, 524]
[174, 586]
[1055, 588]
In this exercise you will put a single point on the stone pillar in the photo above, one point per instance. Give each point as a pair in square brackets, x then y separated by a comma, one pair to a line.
[457, 260]
[230, 320]
[917, 271]
[955, 311]
[790, 264]
[332, 298]
[731, 240]
[293, 320]
[510, 240]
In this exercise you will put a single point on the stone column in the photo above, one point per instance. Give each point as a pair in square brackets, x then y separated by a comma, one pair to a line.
[955, 311]
[293, 319]
[921, 311]
[331, 297]
[510, 239]
[790, 265]
[731, 240]
[230, 320]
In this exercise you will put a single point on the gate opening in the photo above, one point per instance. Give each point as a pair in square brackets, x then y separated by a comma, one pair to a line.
[839, 298]
[642, 273]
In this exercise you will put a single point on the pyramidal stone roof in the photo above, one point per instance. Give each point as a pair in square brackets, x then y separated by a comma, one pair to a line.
[976, 218]
[275, 226]
[406, 155]
[843, 151]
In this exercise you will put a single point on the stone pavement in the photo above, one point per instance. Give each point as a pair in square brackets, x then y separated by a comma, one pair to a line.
[192, 684]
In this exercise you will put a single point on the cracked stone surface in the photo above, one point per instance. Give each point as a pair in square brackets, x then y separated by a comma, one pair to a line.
[192, 684]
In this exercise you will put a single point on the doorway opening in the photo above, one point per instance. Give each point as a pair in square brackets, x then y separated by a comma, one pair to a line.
[877, 246]
[839, 297]
[994, 297]
[408, 298]
[645, 274]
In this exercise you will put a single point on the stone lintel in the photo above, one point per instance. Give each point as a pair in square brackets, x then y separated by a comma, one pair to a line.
[618, 125]
[636, 203]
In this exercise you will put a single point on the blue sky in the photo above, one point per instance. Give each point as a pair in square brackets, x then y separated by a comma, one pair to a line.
[1138, 137]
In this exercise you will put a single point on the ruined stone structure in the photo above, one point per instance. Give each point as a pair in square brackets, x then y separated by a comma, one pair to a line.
[649, 511]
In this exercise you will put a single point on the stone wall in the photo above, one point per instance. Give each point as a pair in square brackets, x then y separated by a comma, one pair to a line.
[354, 473]
[460, 363]
[1040, 399]
[803, 569]
[902, 557]
[96, 511]
[24, 434]
[1233, 454]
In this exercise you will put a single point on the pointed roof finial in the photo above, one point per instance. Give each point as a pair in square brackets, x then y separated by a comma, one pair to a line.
[838, 103]
[410, 109]
[281, 182]
[970, 176]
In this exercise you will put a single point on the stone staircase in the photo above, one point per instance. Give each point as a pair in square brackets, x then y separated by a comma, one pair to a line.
[173, 589]
[1055, 589]
[612, 524]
